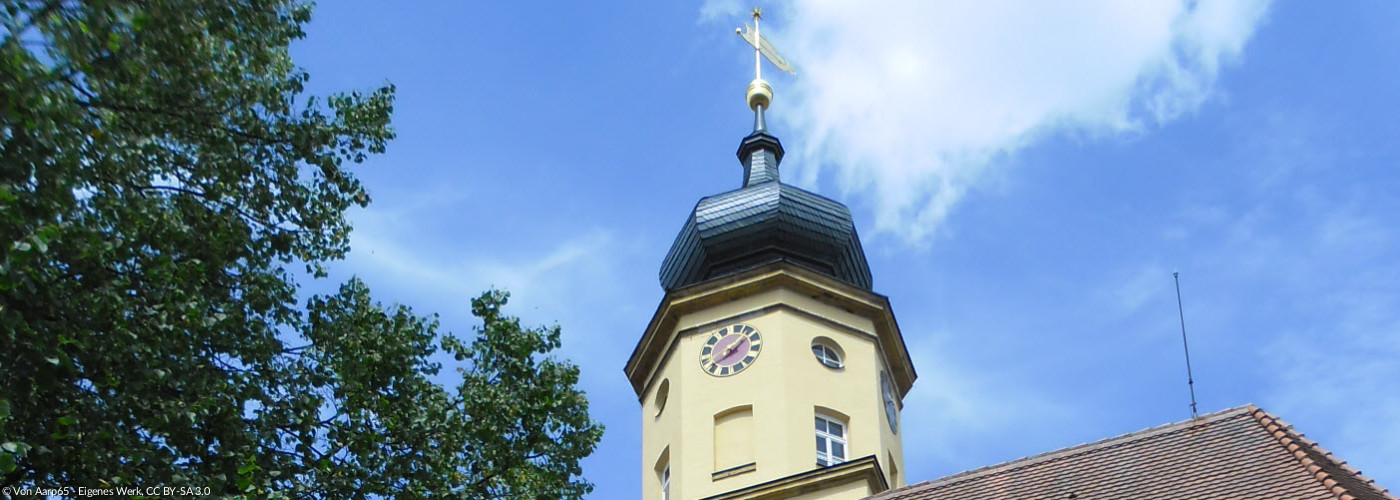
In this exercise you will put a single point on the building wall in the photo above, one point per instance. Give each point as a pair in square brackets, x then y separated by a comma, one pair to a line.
[781, 391]
[853, 490]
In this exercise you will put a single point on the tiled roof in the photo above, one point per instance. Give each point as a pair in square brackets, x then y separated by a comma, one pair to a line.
[1240, 453]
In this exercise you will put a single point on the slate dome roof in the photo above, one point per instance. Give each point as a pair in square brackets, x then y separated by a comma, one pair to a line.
[765, 221]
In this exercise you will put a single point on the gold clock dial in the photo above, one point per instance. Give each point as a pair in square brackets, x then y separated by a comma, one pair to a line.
[730, 350]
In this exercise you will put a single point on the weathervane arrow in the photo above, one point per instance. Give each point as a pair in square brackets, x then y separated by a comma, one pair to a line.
[762, 46]
[760, 94]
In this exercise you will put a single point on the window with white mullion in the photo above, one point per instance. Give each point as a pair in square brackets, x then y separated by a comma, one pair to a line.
[831, 441]
[666, 482]
[826, 355]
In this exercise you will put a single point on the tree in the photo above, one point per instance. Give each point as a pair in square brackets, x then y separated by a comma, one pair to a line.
[161, 172]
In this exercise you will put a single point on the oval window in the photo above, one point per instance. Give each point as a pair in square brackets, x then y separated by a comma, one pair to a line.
[827, 353]
[661, 394]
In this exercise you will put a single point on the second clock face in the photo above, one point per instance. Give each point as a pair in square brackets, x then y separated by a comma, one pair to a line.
[891, 409]
[730, 350]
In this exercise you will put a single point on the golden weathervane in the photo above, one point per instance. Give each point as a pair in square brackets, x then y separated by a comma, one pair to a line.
[760, 93]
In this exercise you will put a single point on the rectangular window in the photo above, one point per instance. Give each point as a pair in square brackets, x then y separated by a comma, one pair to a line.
[831, 441]
[666, 483]
[894, 471]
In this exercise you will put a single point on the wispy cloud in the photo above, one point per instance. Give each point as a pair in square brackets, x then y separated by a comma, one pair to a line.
[910, 104]
[1345, 356]
[564, 281]
[379, 246]
[955, 407]
[1128, 291]
[1301, 258]
[717, 10]
[1352, 366]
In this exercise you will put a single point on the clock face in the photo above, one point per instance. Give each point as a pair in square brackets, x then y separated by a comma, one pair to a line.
[891, 408]
[730, 350]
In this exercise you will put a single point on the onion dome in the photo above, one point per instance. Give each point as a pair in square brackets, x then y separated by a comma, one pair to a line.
[762, 222]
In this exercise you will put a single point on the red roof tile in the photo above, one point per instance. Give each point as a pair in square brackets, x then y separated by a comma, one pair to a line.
[1240, 453]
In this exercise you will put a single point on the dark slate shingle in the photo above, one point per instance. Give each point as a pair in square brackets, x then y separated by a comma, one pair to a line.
[764, 221]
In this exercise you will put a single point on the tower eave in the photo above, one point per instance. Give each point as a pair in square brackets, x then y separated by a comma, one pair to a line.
[661, 332]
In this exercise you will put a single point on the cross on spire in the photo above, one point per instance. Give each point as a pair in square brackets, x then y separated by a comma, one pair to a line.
[762, 48]
[760, 94]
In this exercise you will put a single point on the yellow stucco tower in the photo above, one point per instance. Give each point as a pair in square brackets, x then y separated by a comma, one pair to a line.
[771, 369]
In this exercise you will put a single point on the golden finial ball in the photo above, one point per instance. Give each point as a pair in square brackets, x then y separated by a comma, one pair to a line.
[760, 94]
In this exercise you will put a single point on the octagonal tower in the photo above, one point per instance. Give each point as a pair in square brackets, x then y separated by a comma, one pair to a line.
[771, 369]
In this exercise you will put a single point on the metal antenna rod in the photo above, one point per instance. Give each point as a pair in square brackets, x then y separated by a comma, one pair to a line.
[1190, 381]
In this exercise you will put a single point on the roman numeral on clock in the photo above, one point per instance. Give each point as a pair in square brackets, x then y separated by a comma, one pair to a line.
[737, 346]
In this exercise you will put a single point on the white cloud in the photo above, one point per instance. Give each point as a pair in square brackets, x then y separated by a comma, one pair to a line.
[531, 278]
[909, 103]
[715, 10]
[566, 281]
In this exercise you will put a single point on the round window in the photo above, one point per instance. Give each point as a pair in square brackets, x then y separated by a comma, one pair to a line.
[661, 394]
[827, 353]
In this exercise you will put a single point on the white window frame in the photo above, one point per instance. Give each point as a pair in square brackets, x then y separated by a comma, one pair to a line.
[828, 356]
[827, 458]
[666, 482]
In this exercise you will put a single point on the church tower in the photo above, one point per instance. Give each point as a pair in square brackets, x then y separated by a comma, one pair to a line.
[771, 369]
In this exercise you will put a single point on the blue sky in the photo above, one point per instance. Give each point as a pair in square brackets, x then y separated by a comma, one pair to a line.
[1025, 181]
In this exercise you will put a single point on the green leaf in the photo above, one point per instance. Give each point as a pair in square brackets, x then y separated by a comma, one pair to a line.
[166, 286]
[7, 463]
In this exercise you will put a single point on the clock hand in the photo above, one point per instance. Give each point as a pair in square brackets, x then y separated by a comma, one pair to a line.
[731, 348]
